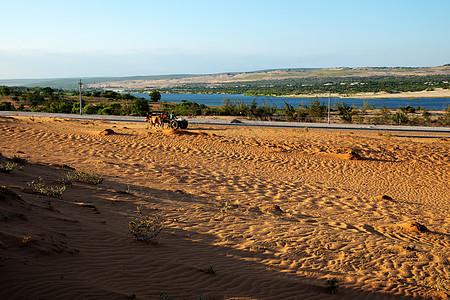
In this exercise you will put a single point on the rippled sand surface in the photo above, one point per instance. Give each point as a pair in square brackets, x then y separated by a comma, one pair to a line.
[248, 213]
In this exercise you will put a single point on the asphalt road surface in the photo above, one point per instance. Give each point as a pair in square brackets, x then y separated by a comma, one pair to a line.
[212, 121]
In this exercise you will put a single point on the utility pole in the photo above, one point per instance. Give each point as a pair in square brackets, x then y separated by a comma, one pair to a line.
[81, 108]
[329, 103]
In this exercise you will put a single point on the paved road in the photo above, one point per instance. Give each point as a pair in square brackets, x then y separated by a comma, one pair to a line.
[212, 121]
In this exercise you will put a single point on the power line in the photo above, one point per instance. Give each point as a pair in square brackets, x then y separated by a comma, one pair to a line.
[81, 108]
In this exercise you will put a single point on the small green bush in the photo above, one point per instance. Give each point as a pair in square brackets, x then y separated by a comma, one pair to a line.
[442, 283]
[209, 270]
[225, 206]
[145, 228]
[332, 285]
[164, 296]
[41, 188]
[19, 160]
[7, 167]
[6, 106]
[81, 176]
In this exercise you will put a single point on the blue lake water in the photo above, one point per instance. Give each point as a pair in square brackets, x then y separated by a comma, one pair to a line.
[218, 99]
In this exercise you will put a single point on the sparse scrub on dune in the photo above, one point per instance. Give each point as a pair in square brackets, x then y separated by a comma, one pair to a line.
[225, 206]
[81, 176]
[209, 270]
[164, 296]
[442, 283]
[66, 180]
[41, 188]
[19, 160]
[332, 285]
[145, 228]
[129, 191]
[7, 167]
[346, 112]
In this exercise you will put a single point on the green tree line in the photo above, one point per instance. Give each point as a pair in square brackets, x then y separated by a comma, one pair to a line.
[340, 85]
[49, 100]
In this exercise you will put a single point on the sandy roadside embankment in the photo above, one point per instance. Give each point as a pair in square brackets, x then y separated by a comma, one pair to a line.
[275, 212]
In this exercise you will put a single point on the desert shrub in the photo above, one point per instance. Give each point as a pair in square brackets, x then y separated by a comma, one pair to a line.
[7, 167]
[346, 112]
[164, 296]
[188, 108]
[41, 188]
[316, 110]
[400, 118]
[115, 108]
[367, 105]
[225, 206]
[145, 228]
[76, 106]
[294, 114]
[289, 112]
[81, 176]
[111, 109]
[155, 95]
[332, 285]
[90, 109]
[445, 119]
[359, 119]
[442, 283]
[209, 270]
[229, 108]
[7, 106]
[59, 106]
[65, 180]
[140, 107]
[19, 160]
[407, 109]
[382, 116]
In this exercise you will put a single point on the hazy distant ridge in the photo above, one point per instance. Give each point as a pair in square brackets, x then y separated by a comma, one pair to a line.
[269, 74]
[72, 83]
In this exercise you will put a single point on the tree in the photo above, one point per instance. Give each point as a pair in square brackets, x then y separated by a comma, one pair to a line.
[35, 98]
[5, 91]
[6, 106]
[289, 112]
[140, 107]
[346, 112]
[116, 108]
[76, 106]
[316, 110]
[155, 96]
[294, 114]
[90, 109]
[400, 118]
[48, 92]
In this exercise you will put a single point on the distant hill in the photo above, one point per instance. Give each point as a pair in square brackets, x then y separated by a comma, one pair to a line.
[72, 83]
[134, 83]
[266, 77]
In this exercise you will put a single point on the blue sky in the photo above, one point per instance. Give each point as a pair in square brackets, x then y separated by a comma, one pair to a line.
[47, 39]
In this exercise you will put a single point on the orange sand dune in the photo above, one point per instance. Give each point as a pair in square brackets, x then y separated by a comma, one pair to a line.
[274, 212]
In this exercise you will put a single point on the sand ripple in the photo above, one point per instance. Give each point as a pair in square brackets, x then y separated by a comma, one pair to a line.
[275, 212]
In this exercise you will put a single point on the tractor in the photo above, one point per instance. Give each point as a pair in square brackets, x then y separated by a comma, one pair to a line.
[159, 119]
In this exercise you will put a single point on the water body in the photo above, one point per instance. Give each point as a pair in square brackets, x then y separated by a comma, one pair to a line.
[218, 100]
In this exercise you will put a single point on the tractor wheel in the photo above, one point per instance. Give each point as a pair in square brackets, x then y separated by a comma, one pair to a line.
[174, 124]
[184, 124]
